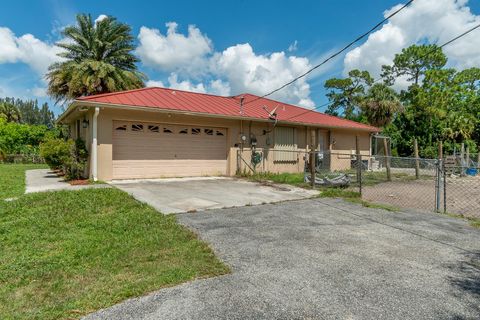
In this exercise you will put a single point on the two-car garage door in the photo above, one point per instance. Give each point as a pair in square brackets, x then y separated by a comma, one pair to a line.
[155, 150]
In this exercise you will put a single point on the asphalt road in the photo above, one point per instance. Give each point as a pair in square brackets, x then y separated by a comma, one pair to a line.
[325, 259]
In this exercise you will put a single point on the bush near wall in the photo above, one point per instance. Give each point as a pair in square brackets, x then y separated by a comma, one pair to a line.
[69, 156]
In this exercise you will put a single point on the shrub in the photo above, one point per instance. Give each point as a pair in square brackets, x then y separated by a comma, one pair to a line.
[15, 136]
[56, 152]
[76, 162]
[20, 142]
[69, 156]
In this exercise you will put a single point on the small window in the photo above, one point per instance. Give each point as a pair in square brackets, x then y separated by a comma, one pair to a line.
[196, 131]
[153, 128]
[123, 127]
[219, 133]
[183, 131]
[167, 130]
[208, 132]
[137, 127]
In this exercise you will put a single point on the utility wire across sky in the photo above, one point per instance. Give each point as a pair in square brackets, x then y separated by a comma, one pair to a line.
[378, 79]
[335, 54]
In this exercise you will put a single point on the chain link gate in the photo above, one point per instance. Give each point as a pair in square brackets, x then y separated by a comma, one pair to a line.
[433, 185]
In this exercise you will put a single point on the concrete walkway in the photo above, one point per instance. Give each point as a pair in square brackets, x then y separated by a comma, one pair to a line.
[40, 180]
[197, 194]
[324, 259]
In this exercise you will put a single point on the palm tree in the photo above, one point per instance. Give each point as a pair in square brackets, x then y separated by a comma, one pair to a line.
[380, 105]
[97, 58]
[9, 112]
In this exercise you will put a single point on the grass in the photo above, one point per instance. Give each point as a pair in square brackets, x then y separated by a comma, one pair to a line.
[371, 178]
[68, 253]
[12, 179]
[295, 179]
[354, 197]
[474, 222]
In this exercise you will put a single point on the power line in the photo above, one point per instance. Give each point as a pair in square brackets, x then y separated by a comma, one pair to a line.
[460, 36]
[378, 79]
[335, 54]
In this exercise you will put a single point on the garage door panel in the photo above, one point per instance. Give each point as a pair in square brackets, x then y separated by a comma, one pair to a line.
[147, 154]
[165, 168]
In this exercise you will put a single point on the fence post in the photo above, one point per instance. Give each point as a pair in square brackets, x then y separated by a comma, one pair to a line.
[359, 165]
[437, 186]
[467, 157]
[387, 159]
[440, 150]
[417, 163]
[444, 187]
[312, 159]
[462, 159]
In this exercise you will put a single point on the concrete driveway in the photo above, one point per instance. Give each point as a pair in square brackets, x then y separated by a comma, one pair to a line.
[324, 259]
[196, 194]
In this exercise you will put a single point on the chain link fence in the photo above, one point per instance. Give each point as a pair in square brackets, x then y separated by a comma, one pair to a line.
[447, 185]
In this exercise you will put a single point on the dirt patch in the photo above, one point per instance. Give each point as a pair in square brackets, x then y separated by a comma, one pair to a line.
[463, 195]
[81, 182]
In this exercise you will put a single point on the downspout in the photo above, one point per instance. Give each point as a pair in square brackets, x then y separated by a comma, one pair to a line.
[94, 144]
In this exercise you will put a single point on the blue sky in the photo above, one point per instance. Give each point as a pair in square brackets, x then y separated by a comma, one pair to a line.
[242, 41]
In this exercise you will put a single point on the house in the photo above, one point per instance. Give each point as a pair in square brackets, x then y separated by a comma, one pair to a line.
[158, 132]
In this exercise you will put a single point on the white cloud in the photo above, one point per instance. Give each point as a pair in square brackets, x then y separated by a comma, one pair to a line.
[259, 74]
[185, 84]
[9, 52]
[434, 21]
[293, 47]
[100, 18]
[235, 70]
[154, 83]
[217, 87]
[39, 92]
[220, 88]
[37, 54]
[173, 51]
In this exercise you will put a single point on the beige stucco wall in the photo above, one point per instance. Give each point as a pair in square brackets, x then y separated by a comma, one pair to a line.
[343, 147]
[334, 140]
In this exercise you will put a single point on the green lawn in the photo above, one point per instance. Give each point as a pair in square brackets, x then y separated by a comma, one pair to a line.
[12, 179]
[295, 179]
[65, 254]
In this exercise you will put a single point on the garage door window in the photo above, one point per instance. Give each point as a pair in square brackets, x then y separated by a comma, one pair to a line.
[220, 132]
[167, 130]
[208, 132]
[122, 127]
[137, 127]
[153, 128]
[196, 131]
[183, 131]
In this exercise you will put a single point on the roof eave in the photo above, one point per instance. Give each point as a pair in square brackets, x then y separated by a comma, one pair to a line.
[87, 103]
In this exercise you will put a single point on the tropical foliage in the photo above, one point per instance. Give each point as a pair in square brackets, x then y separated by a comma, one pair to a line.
[97, 58]
[16, 138]
[435, 104]
[26, 112]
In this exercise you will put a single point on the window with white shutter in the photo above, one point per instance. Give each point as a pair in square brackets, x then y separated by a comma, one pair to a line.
[285, 145]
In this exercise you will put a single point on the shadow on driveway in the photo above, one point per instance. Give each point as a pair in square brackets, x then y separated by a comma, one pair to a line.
[324, 259]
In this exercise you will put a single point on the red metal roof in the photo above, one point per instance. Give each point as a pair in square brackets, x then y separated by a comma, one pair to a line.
[254, 107]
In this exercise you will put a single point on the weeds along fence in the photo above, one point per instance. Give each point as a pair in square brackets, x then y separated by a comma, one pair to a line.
[21, 158]
[440, 185]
